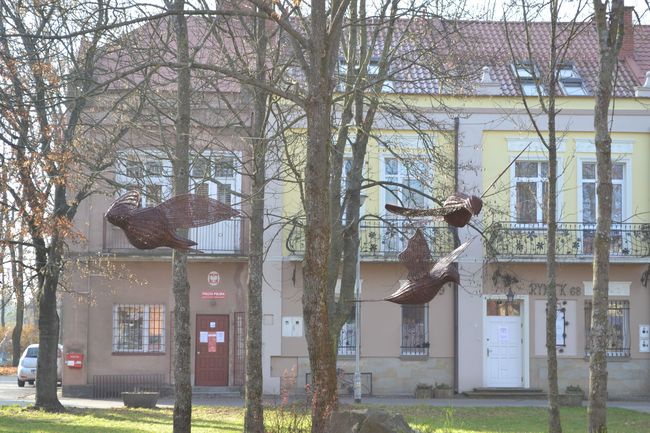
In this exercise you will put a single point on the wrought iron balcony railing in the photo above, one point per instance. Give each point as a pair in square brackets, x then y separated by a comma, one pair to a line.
[384, 239]
[573, 240]
[225, 237]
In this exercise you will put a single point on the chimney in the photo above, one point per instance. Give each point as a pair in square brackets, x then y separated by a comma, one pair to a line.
[627, 48]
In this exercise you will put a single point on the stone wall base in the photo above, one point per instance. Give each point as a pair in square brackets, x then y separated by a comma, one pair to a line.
[627, 378]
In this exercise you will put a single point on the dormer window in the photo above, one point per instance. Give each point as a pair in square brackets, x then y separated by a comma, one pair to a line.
[372, 72]
[571, 81]
[526, 73]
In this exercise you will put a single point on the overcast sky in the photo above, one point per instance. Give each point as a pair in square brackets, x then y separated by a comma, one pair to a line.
[494, 9]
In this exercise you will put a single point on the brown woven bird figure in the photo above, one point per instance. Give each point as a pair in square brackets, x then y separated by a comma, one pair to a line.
[424, 284]
[152, 227]
[457, 209]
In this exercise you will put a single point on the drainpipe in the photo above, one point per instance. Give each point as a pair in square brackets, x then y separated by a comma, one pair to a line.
[456, 244]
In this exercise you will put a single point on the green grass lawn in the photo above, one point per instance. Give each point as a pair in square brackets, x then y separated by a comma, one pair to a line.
[226, 420]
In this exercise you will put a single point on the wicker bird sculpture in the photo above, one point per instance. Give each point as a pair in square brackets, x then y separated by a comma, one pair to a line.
[457, 209]
[424, 282]
[153, 227]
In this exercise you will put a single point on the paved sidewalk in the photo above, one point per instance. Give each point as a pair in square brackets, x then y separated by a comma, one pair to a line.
[641, 406]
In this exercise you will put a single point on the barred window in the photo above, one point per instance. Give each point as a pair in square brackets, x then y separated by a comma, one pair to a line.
[618, 330]
[347, 337]
[415, 330]
[138, 328]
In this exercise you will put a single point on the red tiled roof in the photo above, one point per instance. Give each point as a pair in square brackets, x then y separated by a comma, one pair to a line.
[431, 55]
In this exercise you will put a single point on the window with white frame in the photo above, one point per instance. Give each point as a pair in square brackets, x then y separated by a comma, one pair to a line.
[571, 81]
[590, 205]
[147, 174]
[371, 76]
[527, 74]
[410, 173]
[139, 328]
[589, 198]
[216, 175]
[415, 330]
[530, 183]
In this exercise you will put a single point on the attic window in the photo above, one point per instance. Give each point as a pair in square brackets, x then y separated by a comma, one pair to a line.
[373, 68]
[571, 81]
[526, 73]
[372, 72]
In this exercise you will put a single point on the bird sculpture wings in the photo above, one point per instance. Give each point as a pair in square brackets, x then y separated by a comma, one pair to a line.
[457, 209]
[422, 287]
[153, 227]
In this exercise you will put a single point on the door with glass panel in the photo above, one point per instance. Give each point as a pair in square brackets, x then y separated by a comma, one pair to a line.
[503, 344]
[216, 175]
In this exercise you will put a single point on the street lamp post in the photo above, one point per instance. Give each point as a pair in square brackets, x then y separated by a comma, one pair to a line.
[357, 311]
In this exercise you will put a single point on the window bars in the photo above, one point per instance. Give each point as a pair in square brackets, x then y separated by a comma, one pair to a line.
[618, 330]
[138, 328]
[415, 330]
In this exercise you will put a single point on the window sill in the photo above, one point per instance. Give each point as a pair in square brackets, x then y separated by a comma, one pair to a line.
[138, 353]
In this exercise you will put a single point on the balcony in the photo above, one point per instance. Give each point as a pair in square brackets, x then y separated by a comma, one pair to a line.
[383, 239]
[575, 241]
[223, 238]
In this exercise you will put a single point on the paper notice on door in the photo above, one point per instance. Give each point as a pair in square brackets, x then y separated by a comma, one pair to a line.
[212, 343]
[221, 336]
[213, 324]
[203, 337]
[503, 334]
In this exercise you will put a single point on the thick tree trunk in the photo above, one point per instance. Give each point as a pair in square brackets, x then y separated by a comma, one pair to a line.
[322, 355]
[48, 326]
[318, 110]
[182, 343]
[610, 36]
[181, 287]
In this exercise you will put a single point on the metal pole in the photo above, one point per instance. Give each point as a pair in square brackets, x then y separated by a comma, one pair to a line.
[357, 310]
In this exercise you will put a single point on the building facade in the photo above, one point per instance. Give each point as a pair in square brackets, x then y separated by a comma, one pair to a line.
[469, 337]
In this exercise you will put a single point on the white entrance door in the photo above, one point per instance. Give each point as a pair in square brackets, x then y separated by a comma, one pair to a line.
[503, 344]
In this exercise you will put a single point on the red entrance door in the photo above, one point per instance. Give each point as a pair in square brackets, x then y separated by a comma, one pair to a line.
[211, 365]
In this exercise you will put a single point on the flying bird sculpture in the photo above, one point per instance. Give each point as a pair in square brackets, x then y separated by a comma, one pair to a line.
[424, 282]
[152, 227]
[457, 209]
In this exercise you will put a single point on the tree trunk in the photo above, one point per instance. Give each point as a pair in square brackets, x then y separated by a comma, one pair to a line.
[554, 423]
[254, 416]
[322, 356]
[610, 36]
[48, 325]
[318, 110]
[17, 274]
[181, 286]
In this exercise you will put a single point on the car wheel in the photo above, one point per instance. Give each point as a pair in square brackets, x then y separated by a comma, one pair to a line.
[31, 382]
[21, 383]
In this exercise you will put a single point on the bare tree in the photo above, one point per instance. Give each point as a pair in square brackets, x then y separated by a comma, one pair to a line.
[48, 83]
[560, 38]
[610, 28]
[180, 167]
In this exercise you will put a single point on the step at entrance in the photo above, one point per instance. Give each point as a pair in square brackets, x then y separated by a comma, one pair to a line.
[507, 393]
[216, 391]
